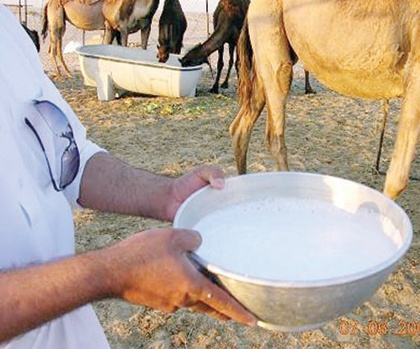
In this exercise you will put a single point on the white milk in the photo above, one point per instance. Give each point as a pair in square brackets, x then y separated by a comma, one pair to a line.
[295, 239]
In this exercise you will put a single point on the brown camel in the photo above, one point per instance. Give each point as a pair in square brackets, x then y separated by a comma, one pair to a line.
[172, 27]
[366, 49]
[228, 19]
[119, 18]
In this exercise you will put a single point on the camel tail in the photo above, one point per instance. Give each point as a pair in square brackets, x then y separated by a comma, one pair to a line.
[245, 55]
[251, 99]
[249, 87]
[44, 30]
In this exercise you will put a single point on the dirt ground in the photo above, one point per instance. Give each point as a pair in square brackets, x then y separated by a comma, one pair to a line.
[326, 133]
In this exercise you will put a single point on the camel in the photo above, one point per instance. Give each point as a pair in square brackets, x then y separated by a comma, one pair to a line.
[172, 27]
[228, 19]
[118, 18]
[365, 49]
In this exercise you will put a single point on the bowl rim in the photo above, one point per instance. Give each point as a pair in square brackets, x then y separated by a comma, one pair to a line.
[387, 264]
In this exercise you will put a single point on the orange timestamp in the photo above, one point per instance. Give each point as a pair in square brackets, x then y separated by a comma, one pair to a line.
[379, 328]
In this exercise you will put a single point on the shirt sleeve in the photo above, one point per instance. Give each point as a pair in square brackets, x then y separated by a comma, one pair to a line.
[72, 192]
[87, 148]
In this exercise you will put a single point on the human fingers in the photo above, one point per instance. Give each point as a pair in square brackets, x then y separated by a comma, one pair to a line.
[211, 175]
[222, 305]
[189, 183]
[186, 240]
[169, 278]
[207, 296]
[205, 309]
[199, 177]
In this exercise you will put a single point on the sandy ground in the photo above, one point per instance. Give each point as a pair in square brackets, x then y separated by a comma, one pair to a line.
[326, 133]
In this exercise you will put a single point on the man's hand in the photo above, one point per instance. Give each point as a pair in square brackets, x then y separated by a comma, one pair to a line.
[190, 182]
[152, 269]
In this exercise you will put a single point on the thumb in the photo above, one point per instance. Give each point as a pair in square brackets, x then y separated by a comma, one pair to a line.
[187, 240]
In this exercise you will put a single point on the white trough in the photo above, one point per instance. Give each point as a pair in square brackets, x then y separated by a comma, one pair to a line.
[110, 68]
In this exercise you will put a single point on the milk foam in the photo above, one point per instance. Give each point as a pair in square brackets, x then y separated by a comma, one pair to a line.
[295, 239]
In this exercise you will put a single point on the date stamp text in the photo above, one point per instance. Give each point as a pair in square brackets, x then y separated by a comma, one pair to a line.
[348, 327]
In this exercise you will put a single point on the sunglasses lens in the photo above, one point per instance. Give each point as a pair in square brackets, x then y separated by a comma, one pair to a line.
[53, 116]
[54, 120]
[69, 165]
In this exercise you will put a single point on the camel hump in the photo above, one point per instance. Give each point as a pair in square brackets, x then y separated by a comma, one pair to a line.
[82, 2]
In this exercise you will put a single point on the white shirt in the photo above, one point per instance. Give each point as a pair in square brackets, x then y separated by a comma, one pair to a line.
[36, 221]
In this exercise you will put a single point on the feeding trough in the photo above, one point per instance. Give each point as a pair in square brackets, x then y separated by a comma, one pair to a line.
[110, 68]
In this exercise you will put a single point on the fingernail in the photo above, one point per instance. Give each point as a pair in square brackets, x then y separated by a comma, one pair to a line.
[218, 183]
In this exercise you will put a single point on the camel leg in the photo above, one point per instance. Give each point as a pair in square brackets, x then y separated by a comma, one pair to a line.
[109, 34]
[116, 35]
[51, 49]
[385, 109]
[57, 28]
[220, 64]
[60, 56]
[145, 33]
[55, 18]
[57, 69]
[397, 176]
[225, 83]
[267, 79]
[308, 87]
[241, 128]
[124, 37]
[275, 129]
[272, 54]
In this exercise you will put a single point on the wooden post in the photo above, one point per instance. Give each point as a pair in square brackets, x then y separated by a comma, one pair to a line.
[26, 12]
[25, 7]
[208, 18]
[20, 15]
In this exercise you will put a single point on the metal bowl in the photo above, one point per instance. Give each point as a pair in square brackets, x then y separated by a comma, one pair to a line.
[298, 305]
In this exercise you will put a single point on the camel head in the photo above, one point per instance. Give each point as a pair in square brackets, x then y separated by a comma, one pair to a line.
[163, 53]
[195, 56]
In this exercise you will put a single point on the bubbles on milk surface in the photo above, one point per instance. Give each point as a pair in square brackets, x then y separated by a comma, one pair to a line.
[295, 239]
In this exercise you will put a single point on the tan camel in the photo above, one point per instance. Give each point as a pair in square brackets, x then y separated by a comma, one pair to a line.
[119, 18]
[366, 49]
